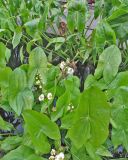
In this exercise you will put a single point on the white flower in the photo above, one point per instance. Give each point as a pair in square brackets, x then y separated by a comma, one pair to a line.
[70, 71]
[37, 82]
[40, 87]
[68, 108]
[41, 97]
[54, 109]
[51, 158]
[49, 96]
[53, 152]
[62, 65]
[60, 156]
[72, 107]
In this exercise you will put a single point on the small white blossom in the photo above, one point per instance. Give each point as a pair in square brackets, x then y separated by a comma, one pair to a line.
[53, 152]
[40, 86]
[72, 107]
[70, 71]
[37, 82]
[41, 97]
[49, 96]
[62, 65]
[69, 108]
[60, 156]
[54, 109]
[51, 158]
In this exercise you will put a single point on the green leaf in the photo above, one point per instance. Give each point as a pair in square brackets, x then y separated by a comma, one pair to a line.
[51, 75]
[2, 55]
[32, 28]
[10, 143]
[72, 85]
[5, 125]
[91, 119]
[45, 125]
[91, 150]
[108, 64]
[102, 151]
[70, 21]
[58, 40]
[22, 153]
[70, 96]
[4, 77]
[16, 97]
[32, 23]
[79, 154]
[118, 16]
[92, 81]
[97, 9]
[37, 64]
[19, 81]
[28, 99]
[61, 104]
[76, 15]
[120, 80]
[120, 117]
[17, 36]
[67, 121]
[38, 138]
[40, 127]
[120, 134]
[7, 54]
[104, 35]
[22, 100]
[43, 20]
[118, 21]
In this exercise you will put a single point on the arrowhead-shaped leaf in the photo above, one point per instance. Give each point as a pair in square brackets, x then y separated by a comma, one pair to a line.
[91, 119]
[37, 64]
[40, 127]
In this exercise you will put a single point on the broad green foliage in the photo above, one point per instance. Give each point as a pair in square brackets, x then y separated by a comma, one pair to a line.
[17, 36]
[76, 15]
[63, 80]
[43, 123]
[18, 92]
[70, 96]
[22, 153]
[108, 64]
[37, 64]
[104, 36]
[119, 115]
[40, 127]
[89, 121]
[5, 125]
[11, 143]
[3, 51]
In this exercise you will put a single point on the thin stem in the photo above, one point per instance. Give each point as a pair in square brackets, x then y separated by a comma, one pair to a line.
[6, 134]
[48, 50]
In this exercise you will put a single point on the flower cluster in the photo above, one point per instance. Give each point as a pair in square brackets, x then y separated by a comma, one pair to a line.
[64, 66]
[55, 156]
[42, 97]
[38, 81]
[70, 107]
